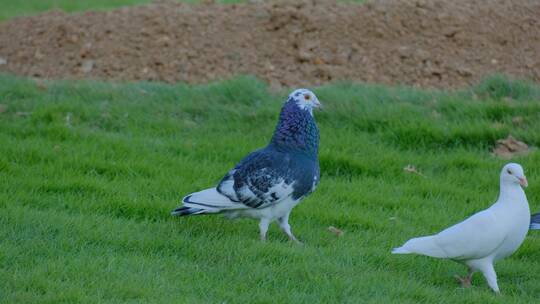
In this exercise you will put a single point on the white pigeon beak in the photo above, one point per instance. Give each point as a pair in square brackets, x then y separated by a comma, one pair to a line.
[523, 181]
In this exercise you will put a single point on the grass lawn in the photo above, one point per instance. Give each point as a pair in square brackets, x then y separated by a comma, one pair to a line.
[90, 171]
[11, 8]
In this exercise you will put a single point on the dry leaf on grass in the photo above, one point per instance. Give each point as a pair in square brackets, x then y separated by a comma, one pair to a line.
[336, 231]
[510, 147]
[412, 169]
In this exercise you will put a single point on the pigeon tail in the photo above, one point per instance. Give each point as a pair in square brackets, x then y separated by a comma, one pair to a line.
[184, 211]
[206, 202]
[423, 245]
[535, 222]
[400, 250]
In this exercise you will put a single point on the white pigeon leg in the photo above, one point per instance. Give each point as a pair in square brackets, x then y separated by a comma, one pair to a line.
[284, 225]
[263, 228]
[465, 281]
[491, 277]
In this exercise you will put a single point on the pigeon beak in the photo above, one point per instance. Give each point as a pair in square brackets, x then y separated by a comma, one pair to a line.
[523, 181]
[317, 105]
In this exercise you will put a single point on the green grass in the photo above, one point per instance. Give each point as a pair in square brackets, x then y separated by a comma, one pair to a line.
[11, 8]
[90, 171]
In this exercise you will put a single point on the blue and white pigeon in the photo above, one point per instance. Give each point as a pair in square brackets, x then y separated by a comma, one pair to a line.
[269, 182]
[535, 222]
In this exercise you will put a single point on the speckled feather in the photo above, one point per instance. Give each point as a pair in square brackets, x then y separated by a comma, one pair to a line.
[535, 222]
[290, 158]
[296, 131]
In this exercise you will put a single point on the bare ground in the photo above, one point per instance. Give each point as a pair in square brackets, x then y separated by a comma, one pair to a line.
[426, 43]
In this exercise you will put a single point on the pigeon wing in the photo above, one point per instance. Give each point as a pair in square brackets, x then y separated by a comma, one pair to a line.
[260, 180]
[474, 238]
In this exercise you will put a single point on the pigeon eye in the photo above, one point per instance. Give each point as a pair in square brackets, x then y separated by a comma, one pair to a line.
[509, 172]
[307, 97]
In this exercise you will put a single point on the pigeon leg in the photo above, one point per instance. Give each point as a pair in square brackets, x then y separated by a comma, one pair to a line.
[263, 226]
[284, 225]
[465, 281]
[491, 277]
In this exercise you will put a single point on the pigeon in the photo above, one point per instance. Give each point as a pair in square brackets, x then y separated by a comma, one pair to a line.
[485, 237]
[268, 183]
[535, 222]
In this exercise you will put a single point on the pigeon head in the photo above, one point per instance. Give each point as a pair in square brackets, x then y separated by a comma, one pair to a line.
[512, 173]
[296, 130]
[305, 100]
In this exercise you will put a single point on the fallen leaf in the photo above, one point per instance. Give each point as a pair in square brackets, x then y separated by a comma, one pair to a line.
[336, 231]
[412, 169]
[510, 147]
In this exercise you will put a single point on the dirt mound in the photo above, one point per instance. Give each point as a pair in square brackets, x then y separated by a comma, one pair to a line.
[424, 43]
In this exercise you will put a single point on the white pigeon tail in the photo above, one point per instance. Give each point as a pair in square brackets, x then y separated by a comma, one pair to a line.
[486, 236]
[425, 245]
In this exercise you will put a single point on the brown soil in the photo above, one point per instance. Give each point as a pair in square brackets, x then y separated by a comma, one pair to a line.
[426, 43]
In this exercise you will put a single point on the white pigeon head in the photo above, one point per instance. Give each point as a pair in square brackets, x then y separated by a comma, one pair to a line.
[512, 173]
[305, 100]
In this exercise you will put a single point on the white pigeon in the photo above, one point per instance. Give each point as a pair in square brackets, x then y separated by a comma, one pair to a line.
[485, 237]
